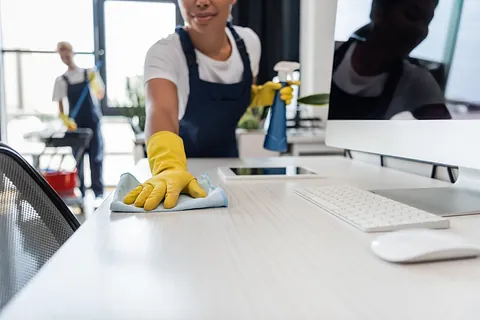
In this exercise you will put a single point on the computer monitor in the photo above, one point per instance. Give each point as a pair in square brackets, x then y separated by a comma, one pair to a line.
[406, 83]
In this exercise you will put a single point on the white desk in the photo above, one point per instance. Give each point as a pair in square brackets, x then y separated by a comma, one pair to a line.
[310, 142]
[270, 255]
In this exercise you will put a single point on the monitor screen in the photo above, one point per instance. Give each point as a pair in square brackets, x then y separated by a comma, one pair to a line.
[406, 60]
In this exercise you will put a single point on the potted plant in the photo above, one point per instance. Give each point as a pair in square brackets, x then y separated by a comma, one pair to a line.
[253, 119]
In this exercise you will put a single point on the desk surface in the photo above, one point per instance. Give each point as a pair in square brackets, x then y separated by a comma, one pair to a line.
[270, 255]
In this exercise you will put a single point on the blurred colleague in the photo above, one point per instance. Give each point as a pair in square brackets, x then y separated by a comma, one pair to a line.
[372, 76]
[83, 89]
[199, 82]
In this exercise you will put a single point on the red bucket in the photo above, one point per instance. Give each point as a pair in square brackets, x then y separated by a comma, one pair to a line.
[63, 182]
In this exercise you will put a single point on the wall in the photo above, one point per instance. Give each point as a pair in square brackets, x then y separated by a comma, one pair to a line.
[317, 29]
[277, 24]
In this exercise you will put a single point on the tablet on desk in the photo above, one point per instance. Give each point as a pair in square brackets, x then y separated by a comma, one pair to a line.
[284, 172]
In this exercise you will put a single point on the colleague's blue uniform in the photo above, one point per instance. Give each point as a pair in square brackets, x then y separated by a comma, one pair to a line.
[346, 106]
[88, 116]
[213, 109]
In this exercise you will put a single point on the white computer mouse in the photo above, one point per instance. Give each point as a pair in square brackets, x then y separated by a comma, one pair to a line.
[421, 245]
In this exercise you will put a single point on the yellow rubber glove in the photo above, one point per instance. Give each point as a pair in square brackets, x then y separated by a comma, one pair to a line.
[93, 82]
[170, 176]
[69, 122]
[264, 95]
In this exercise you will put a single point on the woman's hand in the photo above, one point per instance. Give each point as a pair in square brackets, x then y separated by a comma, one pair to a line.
[264, 95]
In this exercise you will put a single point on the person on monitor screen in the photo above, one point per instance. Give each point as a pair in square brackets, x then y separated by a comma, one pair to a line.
[372, 76]
[200, 80]
[83, 89]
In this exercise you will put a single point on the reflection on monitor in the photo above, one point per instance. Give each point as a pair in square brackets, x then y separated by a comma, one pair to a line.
[375, 74]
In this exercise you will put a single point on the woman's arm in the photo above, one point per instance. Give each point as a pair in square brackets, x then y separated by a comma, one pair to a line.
[424, 92]
[161, 107]
[432, 112]
[60, 107]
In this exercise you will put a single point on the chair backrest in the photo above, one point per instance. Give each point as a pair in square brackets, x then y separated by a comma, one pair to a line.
[34, 223]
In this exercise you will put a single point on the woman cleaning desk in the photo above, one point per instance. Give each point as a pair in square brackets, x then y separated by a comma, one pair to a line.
[199, 82]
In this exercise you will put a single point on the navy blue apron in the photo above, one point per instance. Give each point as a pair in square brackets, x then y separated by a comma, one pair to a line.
[88, 116]
[213, 109]
[345, 106]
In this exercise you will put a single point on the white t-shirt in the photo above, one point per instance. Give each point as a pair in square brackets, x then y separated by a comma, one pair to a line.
[416, 88]
[166, 60]
[74, 77]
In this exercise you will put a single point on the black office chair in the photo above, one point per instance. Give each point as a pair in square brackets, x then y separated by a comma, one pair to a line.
[34, 223]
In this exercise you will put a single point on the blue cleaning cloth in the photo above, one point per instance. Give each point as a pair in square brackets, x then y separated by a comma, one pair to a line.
[216, 197]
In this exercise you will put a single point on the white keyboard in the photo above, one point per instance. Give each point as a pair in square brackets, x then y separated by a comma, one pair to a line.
[370, 212]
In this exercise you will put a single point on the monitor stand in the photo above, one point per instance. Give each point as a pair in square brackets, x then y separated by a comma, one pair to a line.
[462, 198]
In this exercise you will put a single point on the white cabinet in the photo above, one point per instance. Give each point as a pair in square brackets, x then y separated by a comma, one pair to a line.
[250, 144]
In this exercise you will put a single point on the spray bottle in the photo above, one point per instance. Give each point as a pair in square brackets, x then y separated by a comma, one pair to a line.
[276, 139]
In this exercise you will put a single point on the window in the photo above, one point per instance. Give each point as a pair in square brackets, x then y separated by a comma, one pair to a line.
[30, 32]
[40, 24]
[32, 28]
[351, 15]
[29, 80]
[463, 78]
[131, 28]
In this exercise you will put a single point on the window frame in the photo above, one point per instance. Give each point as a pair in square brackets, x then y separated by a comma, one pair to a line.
[452, 38]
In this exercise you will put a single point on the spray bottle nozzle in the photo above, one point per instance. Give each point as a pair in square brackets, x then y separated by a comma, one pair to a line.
[285, 69]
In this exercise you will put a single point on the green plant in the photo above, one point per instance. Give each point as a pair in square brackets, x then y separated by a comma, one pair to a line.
[249, 122]
[134, 106]
[321, 99]
[252, 118]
